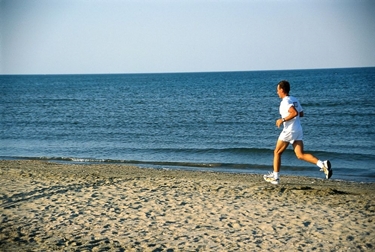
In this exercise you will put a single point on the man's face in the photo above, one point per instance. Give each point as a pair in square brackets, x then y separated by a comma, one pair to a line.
[280, 92]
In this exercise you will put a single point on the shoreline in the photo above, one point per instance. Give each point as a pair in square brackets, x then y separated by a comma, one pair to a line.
[287, 171]
[116, 207]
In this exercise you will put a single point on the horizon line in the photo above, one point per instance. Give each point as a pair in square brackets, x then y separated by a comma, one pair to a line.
[190, 72]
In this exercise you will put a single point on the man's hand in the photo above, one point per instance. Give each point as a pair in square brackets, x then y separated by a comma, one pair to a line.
[279, 122]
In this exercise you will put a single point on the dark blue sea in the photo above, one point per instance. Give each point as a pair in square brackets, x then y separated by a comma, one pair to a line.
[221, 121]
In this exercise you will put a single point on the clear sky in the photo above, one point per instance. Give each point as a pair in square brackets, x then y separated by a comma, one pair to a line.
[147, 36]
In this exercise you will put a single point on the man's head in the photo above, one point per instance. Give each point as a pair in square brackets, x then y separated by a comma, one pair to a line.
[283, 88]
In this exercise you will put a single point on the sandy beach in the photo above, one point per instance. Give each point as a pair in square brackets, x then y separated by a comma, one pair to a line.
[57, 207]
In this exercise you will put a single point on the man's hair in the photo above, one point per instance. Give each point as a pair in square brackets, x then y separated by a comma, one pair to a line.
[285, 86]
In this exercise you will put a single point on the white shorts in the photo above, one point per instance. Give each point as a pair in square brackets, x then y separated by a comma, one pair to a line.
[287, 136]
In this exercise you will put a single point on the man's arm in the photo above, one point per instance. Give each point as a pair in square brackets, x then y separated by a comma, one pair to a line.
[292, 113]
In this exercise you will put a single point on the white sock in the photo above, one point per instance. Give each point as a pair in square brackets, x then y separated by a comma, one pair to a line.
[320, 164]
[276, 175]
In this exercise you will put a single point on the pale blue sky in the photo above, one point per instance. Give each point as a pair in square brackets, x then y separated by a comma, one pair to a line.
[114, 36]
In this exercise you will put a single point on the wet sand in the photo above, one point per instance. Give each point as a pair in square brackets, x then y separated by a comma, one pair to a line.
[57, 207]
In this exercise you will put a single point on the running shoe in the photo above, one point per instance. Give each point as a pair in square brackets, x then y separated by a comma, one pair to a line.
[269, 175]
[270, 178]
[327, 169]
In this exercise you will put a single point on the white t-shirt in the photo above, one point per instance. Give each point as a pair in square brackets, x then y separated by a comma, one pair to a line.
[295, 123]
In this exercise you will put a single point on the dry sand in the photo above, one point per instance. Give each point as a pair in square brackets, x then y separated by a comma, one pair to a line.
[54, 207]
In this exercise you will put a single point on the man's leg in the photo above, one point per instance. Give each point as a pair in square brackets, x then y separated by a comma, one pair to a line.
[298, 150]
[273, 177]
[279, 149]
[324, 165]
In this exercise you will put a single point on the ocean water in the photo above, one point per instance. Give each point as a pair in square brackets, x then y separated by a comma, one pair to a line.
[222, 121]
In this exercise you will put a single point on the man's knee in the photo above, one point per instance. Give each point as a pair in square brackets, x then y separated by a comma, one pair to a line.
[300, 156]
[278, 152]
[298, 149]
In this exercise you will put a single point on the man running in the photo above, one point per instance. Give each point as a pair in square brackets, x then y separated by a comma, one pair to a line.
[291, 111]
